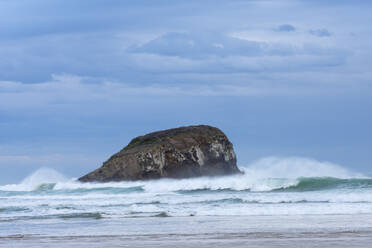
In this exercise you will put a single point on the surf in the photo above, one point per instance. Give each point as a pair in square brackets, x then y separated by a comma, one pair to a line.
[264, 175]
[269, 186]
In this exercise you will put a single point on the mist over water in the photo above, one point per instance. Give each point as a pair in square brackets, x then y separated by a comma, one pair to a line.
[35, 180]
[262, 175]
[269, 187]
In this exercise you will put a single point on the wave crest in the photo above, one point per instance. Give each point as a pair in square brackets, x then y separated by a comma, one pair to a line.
[35, 181]
[267, 174]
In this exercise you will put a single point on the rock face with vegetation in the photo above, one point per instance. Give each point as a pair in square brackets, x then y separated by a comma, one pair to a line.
[183, 152]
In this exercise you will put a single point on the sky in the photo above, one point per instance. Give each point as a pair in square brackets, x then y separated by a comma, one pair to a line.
[283, 78]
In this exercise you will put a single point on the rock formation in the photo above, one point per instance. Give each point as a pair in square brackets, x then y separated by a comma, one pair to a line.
[175, 153]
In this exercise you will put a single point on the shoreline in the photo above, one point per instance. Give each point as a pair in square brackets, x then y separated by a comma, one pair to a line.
[254, 239]
[201, 231]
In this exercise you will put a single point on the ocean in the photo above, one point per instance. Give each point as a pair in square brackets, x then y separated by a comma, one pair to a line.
[272, 203]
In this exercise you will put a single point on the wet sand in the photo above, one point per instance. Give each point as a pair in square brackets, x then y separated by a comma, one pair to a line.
[207, 231]
[262, 239]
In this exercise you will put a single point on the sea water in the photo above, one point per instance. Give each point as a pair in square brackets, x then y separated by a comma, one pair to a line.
[273, 197]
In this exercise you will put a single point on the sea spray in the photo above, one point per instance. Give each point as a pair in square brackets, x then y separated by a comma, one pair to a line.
[266, 174]
[262, 175]
[296, 167]
[270, 186]
[34, 181]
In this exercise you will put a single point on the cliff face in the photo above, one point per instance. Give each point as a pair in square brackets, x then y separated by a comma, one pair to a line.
[175, 153]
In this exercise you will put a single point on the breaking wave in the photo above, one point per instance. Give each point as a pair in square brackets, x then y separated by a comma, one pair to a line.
[270, 186]
[265, 175]
[43, 178]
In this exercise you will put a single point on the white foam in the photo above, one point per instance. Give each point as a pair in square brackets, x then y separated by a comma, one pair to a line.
[33, 181]
[163, 195]
[295, 167]
[264, 174]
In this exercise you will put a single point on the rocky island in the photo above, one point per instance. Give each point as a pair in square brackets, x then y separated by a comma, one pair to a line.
[182, 152]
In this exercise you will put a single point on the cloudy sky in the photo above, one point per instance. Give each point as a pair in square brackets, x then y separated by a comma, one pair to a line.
[79, 79]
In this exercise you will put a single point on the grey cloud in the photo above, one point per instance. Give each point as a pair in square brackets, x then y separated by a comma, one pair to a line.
[236, 64]
[59, 37]
[71, 93]
[320, 32]
[200, 45]
[92, 54]
[285, 28]
[105, 55]
[23, 19]
[218, 53]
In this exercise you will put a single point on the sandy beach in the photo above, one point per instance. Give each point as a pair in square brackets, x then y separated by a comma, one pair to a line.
[209, 231]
